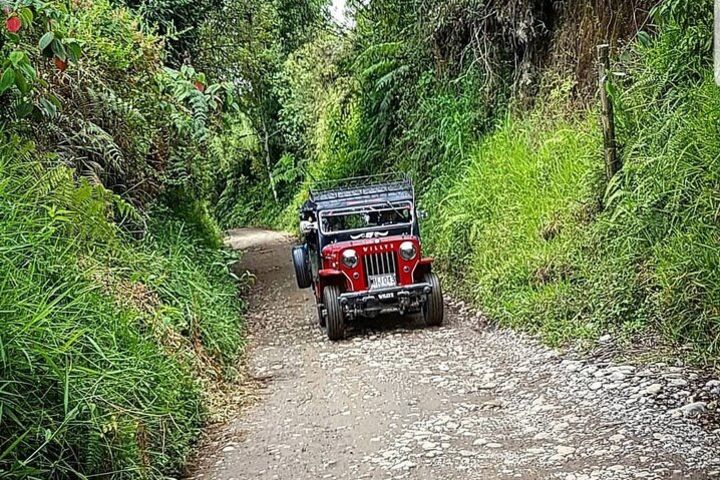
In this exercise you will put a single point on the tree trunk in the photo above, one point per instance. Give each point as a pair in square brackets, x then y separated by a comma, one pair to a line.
[268, 161]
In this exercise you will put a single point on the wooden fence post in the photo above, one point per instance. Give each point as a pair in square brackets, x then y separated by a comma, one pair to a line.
[612, 161]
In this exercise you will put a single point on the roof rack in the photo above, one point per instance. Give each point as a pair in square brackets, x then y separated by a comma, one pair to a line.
[365, 187]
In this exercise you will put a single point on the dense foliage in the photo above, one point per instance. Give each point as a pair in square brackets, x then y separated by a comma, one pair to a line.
[98, 342]
[119, 315]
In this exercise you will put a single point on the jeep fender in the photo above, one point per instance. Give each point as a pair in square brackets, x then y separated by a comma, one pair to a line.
[331, 276]
[423, 267]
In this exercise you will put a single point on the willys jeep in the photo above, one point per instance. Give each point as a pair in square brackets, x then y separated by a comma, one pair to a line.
[362, 255]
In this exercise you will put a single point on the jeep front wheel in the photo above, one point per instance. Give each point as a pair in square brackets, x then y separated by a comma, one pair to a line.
[335, 319]
[433, 312]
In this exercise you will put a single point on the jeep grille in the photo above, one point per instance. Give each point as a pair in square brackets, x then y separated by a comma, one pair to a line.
[380, 264]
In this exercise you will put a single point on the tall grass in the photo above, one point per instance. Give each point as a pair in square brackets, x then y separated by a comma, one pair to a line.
[506, 231]
[659, 263]
[523, 228]
[99, 336]
[193, 284]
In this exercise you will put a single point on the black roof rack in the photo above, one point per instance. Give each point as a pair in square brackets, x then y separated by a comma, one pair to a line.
[392, 187]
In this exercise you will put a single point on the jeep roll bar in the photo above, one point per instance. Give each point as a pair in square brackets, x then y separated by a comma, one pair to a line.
[388, 189]
[358, 191]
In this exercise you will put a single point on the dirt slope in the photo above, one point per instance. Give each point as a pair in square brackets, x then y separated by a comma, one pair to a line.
[401, 401]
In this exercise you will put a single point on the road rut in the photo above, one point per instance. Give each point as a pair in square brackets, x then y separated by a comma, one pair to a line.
[397, 400]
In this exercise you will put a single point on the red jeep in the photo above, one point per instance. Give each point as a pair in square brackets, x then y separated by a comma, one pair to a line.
[362, 253]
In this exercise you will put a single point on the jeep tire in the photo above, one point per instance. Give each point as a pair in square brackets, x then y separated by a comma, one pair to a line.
[335, 318]
[302, 266]
[432, 309]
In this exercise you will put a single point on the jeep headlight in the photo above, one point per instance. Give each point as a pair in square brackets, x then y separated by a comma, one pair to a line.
[408, 250]
[350, 258]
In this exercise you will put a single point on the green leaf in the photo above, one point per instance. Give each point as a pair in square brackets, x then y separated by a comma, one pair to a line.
[48, 109]
[59, 49]
[14, 445]
[644, 38]
[74, 51]
[55, 100]
[26, 16]
[21, 82]
[66, 396]
[45, 40]
[7, 80]
[27, 70]
[24, 109]
[612, 90]
[16, 57]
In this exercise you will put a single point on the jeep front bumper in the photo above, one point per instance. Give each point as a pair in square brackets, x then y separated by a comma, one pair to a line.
[402, 299]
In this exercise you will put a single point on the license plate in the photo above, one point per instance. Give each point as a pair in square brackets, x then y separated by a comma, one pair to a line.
[382, 281]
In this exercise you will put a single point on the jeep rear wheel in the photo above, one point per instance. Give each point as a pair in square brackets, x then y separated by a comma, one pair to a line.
[302, 266]
[335, 318]
[433, 312]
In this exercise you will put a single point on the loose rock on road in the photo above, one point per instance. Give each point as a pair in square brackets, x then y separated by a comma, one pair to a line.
[400, 401]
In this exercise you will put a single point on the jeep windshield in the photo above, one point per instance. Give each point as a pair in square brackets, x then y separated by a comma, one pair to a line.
[374, 218]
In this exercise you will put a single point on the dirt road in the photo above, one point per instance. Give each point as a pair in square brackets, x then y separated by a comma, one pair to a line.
[457, 402]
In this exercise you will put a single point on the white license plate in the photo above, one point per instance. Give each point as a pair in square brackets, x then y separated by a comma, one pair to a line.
[382, 281]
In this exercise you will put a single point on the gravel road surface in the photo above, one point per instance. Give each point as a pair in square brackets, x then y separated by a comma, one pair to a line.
[397, 400]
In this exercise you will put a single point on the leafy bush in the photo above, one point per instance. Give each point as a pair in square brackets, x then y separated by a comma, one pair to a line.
[105, 104]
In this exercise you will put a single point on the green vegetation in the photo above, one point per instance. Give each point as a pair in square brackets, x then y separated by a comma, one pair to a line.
[120, 320]
[510, 226]
[659, 256]
[132, 132]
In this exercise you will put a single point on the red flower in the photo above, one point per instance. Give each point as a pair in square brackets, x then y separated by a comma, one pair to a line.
[13, 24]
[199, 86]
[60, 64]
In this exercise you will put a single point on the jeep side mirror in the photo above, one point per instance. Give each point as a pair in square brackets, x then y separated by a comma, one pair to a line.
[307, 227]
[422, 214]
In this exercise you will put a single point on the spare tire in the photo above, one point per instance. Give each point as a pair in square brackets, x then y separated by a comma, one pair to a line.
[301, 262]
